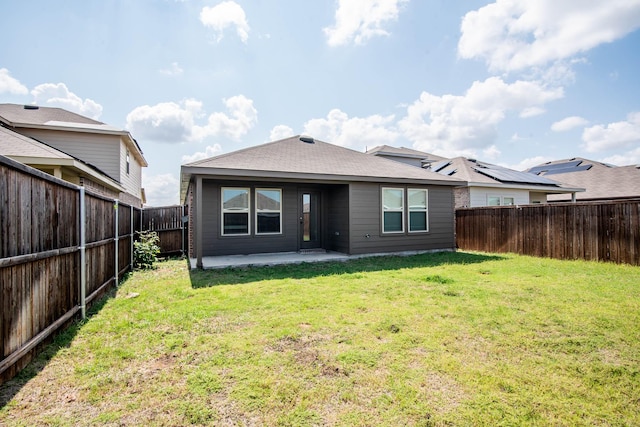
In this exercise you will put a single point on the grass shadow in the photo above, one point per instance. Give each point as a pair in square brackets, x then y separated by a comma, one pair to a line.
[245, 275]
[45, 351]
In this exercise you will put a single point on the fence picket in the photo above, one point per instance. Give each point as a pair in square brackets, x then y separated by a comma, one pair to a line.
[592, 231]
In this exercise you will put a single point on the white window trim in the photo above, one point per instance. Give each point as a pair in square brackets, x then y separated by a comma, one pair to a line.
[425, 210]
[501, 199]
[402, 209]
[223, 211]
[267, 210]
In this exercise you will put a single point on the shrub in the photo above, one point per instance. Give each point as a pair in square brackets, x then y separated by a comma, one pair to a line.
[146, 249]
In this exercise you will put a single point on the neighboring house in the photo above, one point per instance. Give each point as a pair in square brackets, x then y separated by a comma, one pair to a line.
[487, 184]
[30, 152]
[106, 150]
[602, 182]
[301, 194]
[405, 155]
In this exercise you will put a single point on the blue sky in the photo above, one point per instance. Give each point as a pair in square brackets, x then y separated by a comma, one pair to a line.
[512, 82]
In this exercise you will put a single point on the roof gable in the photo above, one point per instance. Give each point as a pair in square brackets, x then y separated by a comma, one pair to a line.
[303, 158]
[294, 156]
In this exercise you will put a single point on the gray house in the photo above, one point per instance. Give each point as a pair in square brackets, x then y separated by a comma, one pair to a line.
[301, 194]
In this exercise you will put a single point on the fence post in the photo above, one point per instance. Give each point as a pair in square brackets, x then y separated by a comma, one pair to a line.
[83, 256]
[115, 210]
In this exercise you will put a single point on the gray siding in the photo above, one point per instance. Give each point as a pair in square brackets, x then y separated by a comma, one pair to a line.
[351, 221]
[215, 244]
[336, 215]
[366, 225]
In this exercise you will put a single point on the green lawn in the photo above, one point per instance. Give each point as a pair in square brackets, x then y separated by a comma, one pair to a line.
[449, 339]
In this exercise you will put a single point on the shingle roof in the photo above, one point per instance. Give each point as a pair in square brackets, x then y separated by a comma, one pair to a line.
[402, 152]
[33, 116]
[291, 158]
[601, 180]
[16, 114]
[14, 144]
[475, 171]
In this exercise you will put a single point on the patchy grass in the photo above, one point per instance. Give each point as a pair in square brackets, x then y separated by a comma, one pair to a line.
[430, 340]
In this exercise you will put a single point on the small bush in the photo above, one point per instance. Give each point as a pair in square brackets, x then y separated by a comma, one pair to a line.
[146, 249]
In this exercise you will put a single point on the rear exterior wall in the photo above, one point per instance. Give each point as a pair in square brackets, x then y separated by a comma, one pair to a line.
[366, 223]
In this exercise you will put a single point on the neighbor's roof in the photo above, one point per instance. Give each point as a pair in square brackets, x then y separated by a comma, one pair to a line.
[292, 158]
[35, 153]
[600, 180]
[387, 150]
[33, 116]
[478, 173]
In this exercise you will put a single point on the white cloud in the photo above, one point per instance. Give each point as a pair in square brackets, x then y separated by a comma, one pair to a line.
[280, 132]
[58, 95]
[165, 122]
[11, 85]
[568, 123]
[355, 132]
[452, 124]
[529, 163]
[360, 20]
[614, 135]
[517, 34]
[629, 158]
[210, 151]
[173, 70]
[491, 153]
[161, 190]
[243, 116]
[223, 15]
[531, 112]
[176, 122]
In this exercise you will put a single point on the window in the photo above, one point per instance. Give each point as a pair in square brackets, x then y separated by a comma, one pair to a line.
[128, 162]
[235, 211]
[493, 200]
[508, 201]
[268, 211]
[418, 218]
[392, 210]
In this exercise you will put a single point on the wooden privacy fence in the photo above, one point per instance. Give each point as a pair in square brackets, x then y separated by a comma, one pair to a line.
[589, 231]
[169, 223]
[60, 248]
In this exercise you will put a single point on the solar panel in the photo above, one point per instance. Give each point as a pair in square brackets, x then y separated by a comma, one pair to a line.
[568, 170]
[440, 165]
[548, 168]
[508, 175]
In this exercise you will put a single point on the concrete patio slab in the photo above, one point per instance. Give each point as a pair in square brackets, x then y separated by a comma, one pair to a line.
[280, 258]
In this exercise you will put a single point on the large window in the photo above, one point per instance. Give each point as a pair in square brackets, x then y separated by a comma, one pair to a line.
[235, 211]
[268, 211]
[418, 215]
[392, 210]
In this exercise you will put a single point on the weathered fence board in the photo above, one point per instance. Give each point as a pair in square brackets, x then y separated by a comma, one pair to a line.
[590, 231]
[167, 222]
[40, 252]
